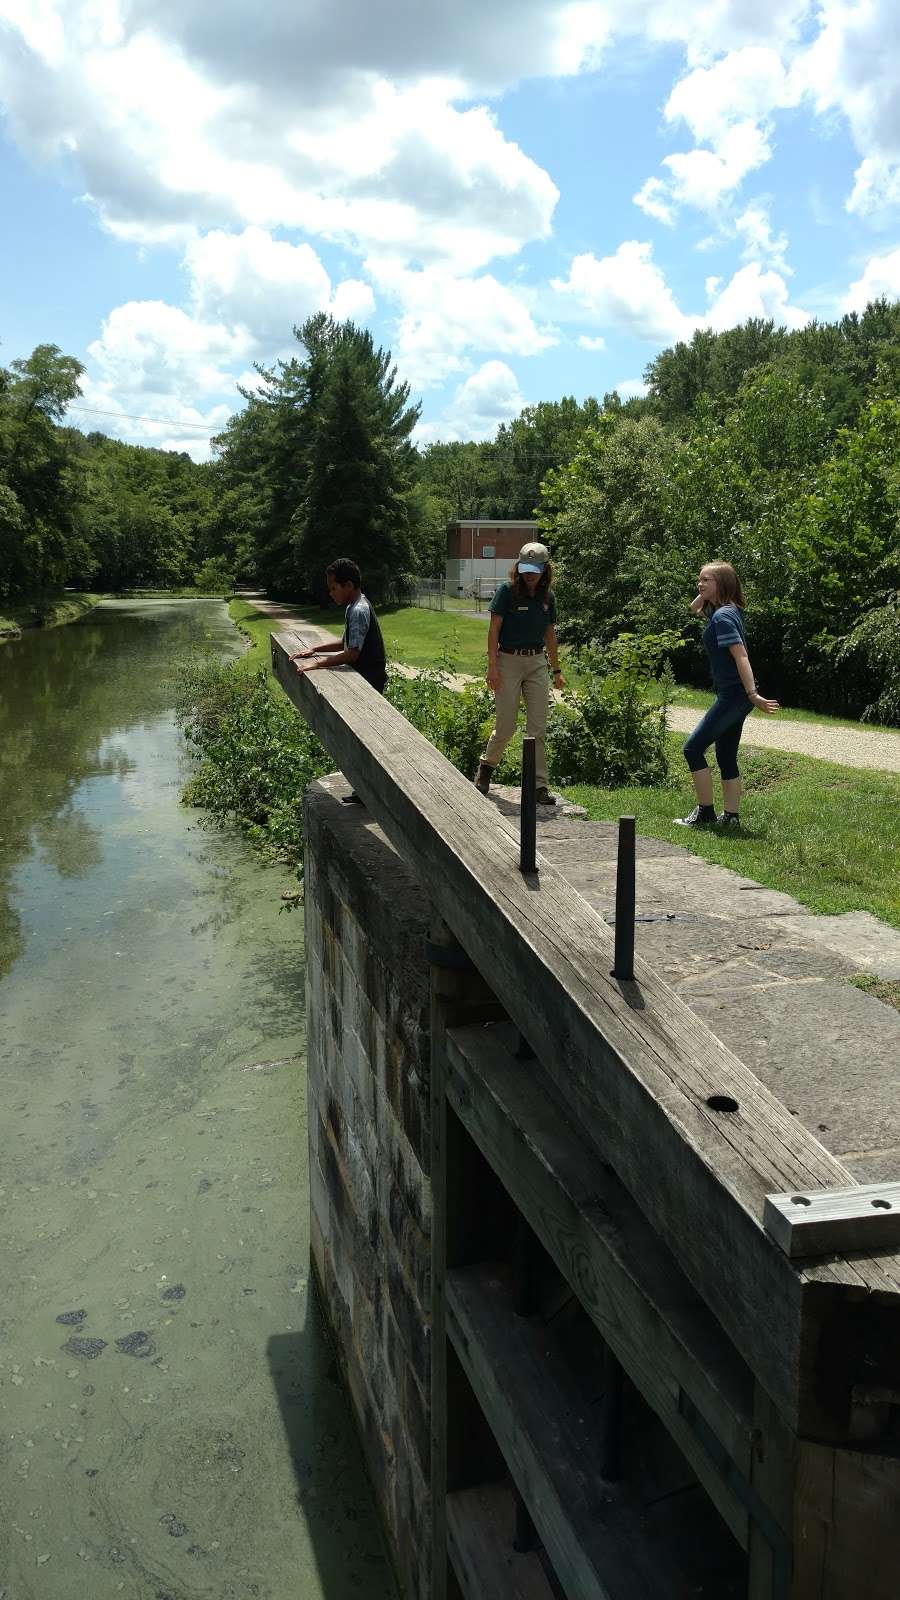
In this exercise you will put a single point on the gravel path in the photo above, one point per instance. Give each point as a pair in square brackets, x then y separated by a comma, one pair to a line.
[849, 747]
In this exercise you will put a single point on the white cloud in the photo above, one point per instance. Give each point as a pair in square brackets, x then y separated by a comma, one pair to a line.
[490, 396]
[587, 342]
[627, 291]
[744, 86]
[851, 68]
[754, 228]
[630, 388]
[154, 362]
[265, 285]
[754, 293]
[876, 186]
[241, 125]
[881, 276]
[444, 315]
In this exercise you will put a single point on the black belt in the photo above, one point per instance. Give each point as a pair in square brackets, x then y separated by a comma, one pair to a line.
[522, 650]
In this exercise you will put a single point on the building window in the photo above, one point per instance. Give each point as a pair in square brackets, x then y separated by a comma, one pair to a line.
[488, 551]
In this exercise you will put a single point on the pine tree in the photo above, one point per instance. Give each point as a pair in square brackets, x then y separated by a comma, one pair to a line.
[359, 496]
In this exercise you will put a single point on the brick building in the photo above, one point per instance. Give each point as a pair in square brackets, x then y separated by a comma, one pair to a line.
[484, 548]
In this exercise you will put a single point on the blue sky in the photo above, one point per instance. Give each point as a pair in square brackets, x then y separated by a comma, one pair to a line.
[522, 201]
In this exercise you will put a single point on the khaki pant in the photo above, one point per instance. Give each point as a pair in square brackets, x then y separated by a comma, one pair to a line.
[526, 678]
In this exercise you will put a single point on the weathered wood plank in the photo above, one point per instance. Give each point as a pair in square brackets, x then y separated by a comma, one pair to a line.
[480, 1533]
[654, 1321]
[847, 1525]
[632, 1063]
[826, 1222]
[600, 1537]
[456, 996]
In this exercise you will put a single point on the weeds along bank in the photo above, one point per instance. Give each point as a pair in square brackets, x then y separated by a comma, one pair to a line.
[256, 756]
[42, 611]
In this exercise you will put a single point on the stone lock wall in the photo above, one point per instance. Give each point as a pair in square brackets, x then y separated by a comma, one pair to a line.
[368, 1003]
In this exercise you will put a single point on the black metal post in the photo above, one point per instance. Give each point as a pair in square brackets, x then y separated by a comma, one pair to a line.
[611, 1421]
[528, 813]
[625, 894]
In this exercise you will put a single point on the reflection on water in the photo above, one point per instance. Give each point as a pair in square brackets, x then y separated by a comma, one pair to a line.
[153, 1210]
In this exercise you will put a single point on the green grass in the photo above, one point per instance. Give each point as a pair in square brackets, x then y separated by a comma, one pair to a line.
[411, 634]
[43, 611]
[825, 834]
[884, 989]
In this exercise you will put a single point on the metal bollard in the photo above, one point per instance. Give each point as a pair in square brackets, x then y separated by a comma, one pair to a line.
[528, 809]
[625, 894]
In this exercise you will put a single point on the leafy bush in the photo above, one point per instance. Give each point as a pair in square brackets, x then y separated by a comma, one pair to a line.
[607, 733]
[457, 722]
[214, 576]
[257, 755]
[874, 646]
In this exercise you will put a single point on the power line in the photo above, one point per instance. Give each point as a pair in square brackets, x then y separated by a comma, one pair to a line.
[130, 417]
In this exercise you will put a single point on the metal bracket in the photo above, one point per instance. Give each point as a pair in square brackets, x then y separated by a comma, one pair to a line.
[822, 1222]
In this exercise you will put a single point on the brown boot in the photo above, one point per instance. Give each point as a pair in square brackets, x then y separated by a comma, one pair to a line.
[483, 777]
[543, 797]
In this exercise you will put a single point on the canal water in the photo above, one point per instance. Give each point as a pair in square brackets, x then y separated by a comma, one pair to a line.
[171, 1424]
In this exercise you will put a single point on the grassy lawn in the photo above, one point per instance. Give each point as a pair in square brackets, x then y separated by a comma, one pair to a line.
[411, 634]
[825, 834]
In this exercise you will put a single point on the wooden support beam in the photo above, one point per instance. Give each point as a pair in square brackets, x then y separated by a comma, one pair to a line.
[458, 995]
[479, 1529]
[828, 1221]
[647, 1313]
[602, 1539]
[695, 1138]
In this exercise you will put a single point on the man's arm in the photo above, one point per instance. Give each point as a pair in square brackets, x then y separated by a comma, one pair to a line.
[339, 657]
[317, 649]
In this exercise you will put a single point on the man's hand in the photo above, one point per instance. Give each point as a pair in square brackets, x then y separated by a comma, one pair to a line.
[309, 665]
[309, 651]
[769, 706]
[493, 677]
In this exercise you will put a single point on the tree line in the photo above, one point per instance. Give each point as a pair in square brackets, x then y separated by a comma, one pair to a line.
[777, 450]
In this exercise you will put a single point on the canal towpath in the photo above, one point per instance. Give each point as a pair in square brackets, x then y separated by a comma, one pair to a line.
[874, 748]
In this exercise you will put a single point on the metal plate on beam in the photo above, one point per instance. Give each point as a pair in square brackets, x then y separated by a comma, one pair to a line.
[827, 1221]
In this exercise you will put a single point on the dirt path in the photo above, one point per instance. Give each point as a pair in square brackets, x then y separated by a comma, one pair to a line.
[849, 747]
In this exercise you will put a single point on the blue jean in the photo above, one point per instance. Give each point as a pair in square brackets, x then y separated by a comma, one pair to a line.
[722, 726]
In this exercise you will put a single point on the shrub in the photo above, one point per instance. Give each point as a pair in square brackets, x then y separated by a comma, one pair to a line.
[455, 721]
[214, 576]
[257, 755]
[873, 648]
[607, 733]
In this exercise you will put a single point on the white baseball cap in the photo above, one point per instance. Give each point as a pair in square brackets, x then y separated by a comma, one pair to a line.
[533, 558]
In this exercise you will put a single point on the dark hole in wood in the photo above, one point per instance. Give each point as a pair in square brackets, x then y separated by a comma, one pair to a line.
[882, 1205]
[722, 1102]
[800, 1200]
